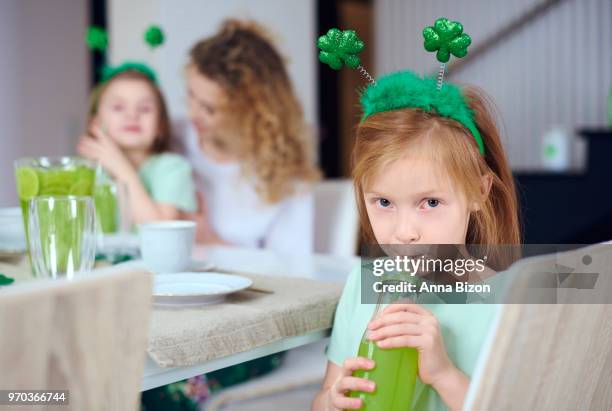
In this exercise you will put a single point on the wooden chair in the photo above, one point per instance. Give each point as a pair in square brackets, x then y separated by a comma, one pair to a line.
[87, 336]
[551, 356]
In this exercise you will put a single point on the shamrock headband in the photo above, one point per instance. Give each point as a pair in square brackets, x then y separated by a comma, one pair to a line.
[406, 89]
[97, 39]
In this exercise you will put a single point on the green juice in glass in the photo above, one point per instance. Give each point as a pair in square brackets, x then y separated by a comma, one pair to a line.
[46, 176]
[395, 369]
[394, 374]
[62, 230]
[105, 200]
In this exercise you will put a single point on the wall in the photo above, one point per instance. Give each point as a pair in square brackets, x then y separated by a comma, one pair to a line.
[557, 70]
[187, 21]
[44, 81]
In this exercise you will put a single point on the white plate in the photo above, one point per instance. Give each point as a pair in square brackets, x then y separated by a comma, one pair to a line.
[196, 288]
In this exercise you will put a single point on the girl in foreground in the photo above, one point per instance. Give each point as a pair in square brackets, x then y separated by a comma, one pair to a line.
[429, 168]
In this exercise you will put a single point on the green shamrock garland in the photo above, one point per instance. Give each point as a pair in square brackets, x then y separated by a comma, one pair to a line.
[447, 37]
[340, 48]
[96, 38]
[154, 36]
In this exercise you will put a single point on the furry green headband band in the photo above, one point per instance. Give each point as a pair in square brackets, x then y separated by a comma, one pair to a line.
[109, 72]
[406, 89]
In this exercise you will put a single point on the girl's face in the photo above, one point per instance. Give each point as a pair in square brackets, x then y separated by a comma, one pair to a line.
[128, 112]
[411, 201]
[204, 98]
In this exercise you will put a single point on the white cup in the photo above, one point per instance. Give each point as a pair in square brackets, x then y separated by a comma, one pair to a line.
[166, 246]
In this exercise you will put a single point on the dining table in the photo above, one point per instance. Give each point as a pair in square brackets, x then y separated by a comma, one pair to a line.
[312, 271]
[296, 308]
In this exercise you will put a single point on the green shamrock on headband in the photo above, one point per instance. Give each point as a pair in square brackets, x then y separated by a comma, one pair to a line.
[154, 36]
[447, 37]
[340, 48]
[96, 38]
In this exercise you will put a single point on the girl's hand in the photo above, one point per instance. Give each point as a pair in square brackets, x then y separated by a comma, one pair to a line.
[346, 383]
[410, 325]
[100, 147]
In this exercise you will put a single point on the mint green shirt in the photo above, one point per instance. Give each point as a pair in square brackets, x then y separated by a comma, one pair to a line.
[464, 328]
[168, 179]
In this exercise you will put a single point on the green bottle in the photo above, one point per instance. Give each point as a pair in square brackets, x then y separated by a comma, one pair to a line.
[394, 372]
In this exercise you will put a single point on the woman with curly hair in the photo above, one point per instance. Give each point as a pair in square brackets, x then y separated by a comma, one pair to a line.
[254, 162]
[249, 146]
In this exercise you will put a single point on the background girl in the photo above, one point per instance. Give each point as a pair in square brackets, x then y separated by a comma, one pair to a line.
[130, 137]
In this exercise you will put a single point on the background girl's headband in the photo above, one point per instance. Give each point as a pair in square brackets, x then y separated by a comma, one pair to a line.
[406, 89]
[97, 40]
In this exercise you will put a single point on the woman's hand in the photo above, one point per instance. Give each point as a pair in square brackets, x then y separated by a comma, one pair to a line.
[410, 325]
[346, 383]
[205, 233]
[100, 147]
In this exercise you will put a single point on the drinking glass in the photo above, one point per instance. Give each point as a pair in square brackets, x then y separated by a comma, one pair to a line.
[62, 235]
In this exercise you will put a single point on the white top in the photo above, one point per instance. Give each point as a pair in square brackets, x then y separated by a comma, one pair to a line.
[237, 213]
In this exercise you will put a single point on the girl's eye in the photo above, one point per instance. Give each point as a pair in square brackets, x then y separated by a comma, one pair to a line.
[383, 202]
[145, 109]
[117, 108]
[432, 202]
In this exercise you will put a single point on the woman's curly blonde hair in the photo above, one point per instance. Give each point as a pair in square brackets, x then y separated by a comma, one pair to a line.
[262, 116]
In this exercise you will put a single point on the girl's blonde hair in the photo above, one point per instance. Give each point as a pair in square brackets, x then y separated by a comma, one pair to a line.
[262, 117]
[163, 138]
[385, 137]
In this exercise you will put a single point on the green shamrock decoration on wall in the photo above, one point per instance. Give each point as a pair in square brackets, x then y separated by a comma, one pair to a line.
[154, 36]
[340, 48]
[447, 37]
[96, 38]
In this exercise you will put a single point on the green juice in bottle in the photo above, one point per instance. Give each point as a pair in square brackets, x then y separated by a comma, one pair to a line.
[394, 372]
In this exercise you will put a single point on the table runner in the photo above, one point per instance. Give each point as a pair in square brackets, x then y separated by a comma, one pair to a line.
[245, 320]
[184, 336]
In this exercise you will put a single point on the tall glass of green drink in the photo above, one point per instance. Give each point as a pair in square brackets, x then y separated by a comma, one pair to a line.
[105, 194]
[53, 176]
[62, 235]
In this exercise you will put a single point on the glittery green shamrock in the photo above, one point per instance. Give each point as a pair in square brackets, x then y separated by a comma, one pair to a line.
[154, 36]
[340, 48]
[96, 38]
[447, 37]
